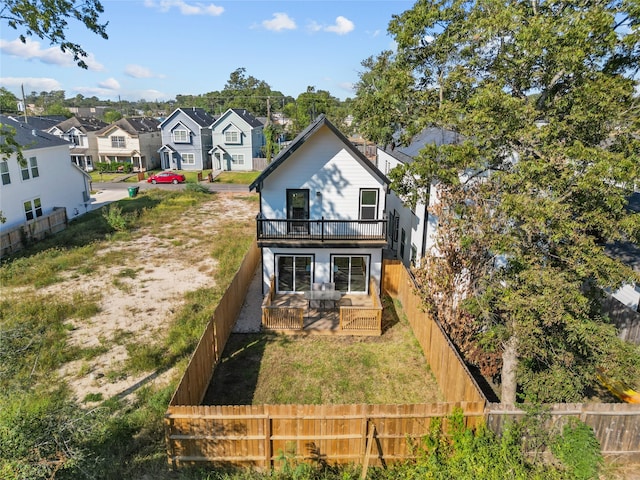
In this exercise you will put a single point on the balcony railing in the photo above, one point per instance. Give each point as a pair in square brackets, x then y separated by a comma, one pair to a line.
[321, 230]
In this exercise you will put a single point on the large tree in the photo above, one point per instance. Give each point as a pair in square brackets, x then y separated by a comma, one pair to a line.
[48, 20]
[543, 97]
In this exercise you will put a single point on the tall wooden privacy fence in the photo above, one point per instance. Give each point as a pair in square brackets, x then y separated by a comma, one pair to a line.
[261, 435]
[13, 240]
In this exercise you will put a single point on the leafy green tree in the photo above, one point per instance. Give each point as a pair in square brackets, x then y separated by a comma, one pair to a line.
[48, 20]
[8, 101]
[58, 109]
[543, 97]
[111, 116]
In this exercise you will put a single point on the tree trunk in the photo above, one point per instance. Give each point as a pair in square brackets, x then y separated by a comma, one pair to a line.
[509, 364]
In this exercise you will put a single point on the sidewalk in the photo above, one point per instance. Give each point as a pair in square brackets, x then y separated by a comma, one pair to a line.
[104, 197]
[250, 316]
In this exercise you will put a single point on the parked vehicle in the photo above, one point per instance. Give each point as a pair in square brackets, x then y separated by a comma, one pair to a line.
[167, 177]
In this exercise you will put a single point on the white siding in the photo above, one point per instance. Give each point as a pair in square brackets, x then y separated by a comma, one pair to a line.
[322, 262]
[323, 165]
[59, 184]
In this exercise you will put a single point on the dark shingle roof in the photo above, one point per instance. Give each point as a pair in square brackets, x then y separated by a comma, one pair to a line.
[85, 124]
[247, 117]
[303, 137]
[133, 125]
[199, 115]
[432, 135]
[29, 137]
[44, 122]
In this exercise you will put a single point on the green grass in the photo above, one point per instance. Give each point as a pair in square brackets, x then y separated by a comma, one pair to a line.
[274, 369]
[241, 178]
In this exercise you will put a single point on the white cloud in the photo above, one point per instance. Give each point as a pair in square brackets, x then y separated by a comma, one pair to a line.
[138, 71]
[342, 26]
[31, 50]
[110, 84]
[30, 84]
[279, 22]
[197, 8]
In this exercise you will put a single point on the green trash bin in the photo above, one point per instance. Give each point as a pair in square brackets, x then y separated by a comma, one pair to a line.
[133, 191]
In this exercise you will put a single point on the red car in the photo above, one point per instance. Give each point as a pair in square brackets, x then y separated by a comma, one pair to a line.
[166, 177]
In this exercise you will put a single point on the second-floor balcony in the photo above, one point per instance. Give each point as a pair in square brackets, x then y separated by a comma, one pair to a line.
[323, 231]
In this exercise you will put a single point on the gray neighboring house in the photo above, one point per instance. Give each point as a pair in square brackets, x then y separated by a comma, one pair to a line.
[80, 132]
[237, 138]
[186, 140]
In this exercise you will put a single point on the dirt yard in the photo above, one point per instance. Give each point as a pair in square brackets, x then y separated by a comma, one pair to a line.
[139, 297]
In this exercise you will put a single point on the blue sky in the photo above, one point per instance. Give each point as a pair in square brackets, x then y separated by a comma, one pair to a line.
[158, 49]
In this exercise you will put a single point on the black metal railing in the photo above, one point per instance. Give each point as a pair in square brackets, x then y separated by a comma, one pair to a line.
[322, 229]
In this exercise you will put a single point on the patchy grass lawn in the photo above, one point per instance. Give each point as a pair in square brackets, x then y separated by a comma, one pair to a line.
[240, 178]
[280, 369]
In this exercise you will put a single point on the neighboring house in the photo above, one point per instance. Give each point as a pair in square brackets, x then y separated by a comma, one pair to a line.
[321, 217]
[134, 140]
[186, 140]
[237, 137]
[411, 230]
[81, 133]
[47, 181]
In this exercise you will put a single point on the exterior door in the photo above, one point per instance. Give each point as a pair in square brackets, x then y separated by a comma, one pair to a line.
[298, 209]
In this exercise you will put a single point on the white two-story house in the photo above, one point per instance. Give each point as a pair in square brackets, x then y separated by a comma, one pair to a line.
[321, 217]
[186, 140]
[46, 181]
[237, 137]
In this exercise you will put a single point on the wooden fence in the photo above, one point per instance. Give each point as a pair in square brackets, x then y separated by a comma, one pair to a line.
[261, 436]
[626, 320]
[197, 376]
[363, 320]
[451, 373]
[34, 230]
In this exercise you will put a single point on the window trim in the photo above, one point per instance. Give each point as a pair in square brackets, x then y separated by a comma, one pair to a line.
[4, 172]
[237, 158]
[276, 270]
[362, 205]
[184, 158]
[35, 211]
[367, 279]
[234, 132]
[118, 141]
[186, 139]
[33, 166]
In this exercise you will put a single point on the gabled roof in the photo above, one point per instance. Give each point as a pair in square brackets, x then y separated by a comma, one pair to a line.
[198, 115]
[252, 121]
[430, 135]
[84, 124]
[29, 137]
[302, 138]
[167, 148]
[134, 126]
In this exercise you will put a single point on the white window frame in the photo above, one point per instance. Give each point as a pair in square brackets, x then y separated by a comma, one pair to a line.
[232, 136]
[295, 285]
[118, 141]
[33, 165]
[237, 158]
[367, 278]
[4, 173]
[188, 158]
[32, 210]
[184, 136]
[367, 207]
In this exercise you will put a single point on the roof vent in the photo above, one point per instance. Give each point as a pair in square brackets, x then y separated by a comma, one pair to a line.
[34, 132]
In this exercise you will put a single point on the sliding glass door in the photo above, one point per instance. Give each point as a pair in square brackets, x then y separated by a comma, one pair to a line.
[294, 273]
[351, 273]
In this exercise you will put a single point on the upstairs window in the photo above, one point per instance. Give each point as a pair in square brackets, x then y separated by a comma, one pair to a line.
[117, 141]
[33, 209]
[368, 204]
[30, 169]
[180, 136]
[4, 172]
[232, 136]
[75, 139]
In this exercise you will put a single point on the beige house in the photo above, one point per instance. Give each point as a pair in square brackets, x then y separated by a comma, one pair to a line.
[134, 140]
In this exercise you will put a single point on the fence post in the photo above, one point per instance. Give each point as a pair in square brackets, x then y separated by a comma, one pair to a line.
[267, 442]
